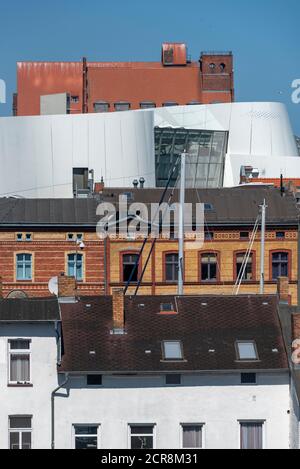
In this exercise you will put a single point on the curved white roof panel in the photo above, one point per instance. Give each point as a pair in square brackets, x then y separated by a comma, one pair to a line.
[38, 154]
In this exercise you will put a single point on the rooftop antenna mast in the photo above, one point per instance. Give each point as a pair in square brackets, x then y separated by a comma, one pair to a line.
[262, 246]
[181, 227]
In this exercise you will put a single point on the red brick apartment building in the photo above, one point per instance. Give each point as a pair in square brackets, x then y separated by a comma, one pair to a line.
[117, 86]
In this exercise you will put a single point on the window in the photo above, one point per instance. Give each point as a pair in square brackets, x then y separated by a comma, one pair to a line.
[24, 266]
[130, 268]
[280, 264]
[173, 379]
[208, 207]
[222, 67]
[280, 234]
[74, 99]
[141, 436]
[19, 361]
[170, 103]
[86, 436]
[208, 235]
[171, 267]
[241, 270]
[75, 266]
[74, 236]
[251, 435]
[244, 234]
[101, 106]
[80, 179]
[193, 103]
[94, 380]
[246, 350]
[192, 436]
[19, 236]
[122, 106]
[28, 237]
[248, 378]
[209, 267]
[20, 432]
[147, 105]
[166, 307]
[172, 350]
[212, 66]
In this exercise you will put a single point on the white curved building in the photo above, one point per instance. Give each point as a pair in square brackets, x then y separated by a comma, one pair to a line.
[39, 155]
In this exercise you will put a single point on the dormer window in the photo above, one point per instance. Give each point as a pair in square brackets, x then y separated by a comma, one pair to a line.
[172, 350]
[166, 307]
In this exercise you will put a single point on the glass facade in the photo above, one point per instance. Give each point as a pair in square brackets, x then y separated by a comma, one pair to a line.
[204, 161]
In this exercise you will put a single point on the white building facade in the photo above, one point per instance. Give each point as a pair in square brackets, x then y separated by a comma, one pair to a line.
[39, 154]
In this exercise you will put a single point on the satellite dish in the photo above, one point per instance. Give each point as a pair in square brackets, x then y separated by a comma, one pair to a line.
[53, 286]
[17, 294]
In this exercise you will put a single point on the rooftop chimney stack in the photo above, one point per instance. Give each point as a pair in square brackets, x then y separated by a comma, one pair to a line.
[99, 186]
[142, 182]
[135, 183]
[283, 289]
[66, 286]
[118, 310]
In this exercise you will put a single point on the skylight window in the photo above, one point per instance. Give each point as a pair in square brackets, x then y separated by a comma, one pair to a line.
[172, 350]
[246, 350]
[166, 307]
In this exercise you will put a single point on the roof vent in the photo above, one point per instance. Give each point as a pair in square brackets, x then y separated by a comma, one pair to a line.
[275, 350]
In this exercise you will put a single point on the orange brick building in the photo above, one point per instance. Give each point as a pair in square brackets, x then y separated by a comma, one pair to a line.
[38, 240]
[110, 86]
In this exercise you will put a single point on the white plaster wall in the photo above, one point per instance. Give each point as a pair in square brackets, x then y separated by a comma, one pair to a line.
[218, 401]
[35, 400]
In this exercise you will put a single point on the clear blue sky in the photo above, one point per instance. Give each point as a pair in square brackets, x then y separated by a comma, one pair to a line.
[263, 34]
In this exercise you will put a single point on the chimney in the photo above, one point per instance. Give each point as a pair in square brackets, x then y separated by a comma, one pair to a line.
[142, 182]
[118, 310]
[283, 289]
[99, 186]
[1, 288]
[66, 286]
[135, 183]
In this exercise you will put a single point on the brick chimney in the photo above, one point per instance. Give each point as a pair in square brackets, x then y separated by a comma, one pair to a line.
[66, 286]
[118, 310]
[283, 289]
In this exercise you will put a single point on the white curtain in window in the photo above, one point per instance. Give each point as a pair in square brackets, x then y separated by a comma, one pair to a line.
[251, 435]
[19, 368]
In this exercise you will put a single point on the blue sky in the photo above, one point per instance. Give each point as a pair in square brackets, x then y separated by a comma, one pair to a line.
[263, 35]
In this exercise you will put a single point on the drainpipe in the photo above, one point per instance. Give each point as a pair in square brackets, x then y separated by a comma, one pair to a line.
[84, 86]
[52, 410]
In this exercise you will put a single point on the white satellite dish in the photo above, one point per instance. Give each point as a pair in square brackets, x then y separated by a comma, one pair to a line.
[53, 286]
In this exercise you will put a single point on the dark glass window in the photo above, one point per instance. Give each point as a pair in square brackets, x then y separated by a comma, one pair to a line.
[208, 235]
[86, 436]
[101, 106]
[244, 234]
[280, 263]
[130, 267]
[170, 103]
[20, 432]
[248, 378]
[75, 266]
[209, 267]
[24, 266]
[141, 437]
[173, 379]
[122, 106]
[191, 436]
[94, 380]
[147, 105]
[171, 267]
[248, 272]
[280, 234]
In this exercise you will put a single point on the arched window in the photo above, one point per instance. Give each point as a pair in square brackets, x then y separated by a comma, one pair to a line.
[248, 272]
[171, 267]
[129, 267]
[280, 264]
[209, 267]
[24, 266]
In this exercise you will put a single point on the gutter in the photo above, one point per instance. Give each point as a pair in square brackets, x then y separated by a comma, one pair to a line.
[53, 409]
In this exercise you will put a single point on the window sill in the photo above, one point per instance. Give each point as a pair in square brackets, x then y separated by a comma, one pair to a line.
[16, 385]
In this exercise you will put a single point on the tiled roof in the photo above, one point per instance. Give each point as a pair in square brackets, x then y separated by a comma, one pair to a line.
[203, 323]
[29, 310]
[230, 206]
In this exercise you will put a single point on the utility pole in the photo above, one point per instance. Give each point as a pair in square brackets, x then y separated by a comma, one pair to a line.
[262, 247]
[181, 227]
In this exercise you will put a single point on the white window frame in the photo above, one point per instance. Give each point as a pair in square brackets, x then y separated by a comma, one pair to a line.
[148, 434]
[165, 358]
[186, 424]
[98, 425]
[19, 352]
[263, 422]
[252, 342]
[20, 430]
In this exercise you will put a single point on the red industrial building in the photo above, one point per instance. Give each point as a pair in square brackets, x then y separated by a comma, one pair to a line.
[117, 86]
